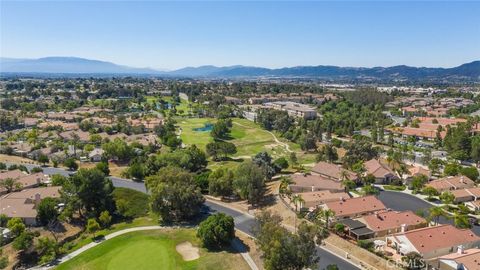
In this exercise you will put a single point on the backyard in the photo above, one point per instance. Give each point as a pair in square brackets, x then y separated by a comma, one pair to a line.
[155, 249]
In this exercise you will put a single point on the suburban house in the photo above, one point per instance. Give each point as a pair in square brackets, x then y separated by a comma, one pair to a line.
[354, 207]
[466, 194]
[462, 259]
[96, 155]
[22, 179]
[22, 204]
[432, 242]
[418, 170]
[333, 171]
[383, 174]
[388, 222]
[382, 223]
[313, 199]
[450, 183]
[80, 135]
[63, 125]
[473, 205]
[314, 182]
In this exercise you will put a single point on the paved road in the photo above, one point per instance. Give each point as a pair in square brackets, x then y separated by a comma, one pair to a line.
[401, 202]
[243, 222]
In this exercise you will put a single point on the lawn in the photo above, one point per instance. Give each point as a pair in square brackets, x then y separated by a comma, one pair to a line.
[189, 136]
[249, 138]
[152, 250]
[86, 238]
[183, 108]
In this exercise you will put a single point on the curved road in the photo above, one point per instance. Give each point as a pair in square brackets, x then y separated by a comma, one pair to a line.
[243, 222]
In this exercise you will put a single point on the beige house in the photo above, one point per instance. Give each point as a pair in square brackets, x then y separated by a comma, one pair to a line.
[22, 204]
[462, 259]
[432, 242]
[466, 194]
[354, 207]
[451, 183]
[313, 199]
[313, 182]
[24, 180]
[385, 223]
[333, 171]
[383, 174]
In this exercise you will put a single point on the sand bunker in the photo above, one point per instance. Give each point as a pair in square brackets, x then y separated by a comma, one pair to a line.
[188, 252]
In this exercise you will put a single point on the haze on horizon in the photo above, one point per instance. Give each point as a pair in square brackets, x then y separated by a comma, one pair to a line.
[171, 35]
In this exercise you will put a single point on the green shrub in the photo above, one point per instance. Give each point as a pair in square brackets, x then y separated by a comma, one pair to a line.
[216, 231]
[130, 203]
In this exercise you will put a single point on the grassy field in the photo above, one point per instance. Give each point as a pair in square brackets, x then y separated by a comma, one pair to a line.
[189, 136]
[152, 250]
[249, 138]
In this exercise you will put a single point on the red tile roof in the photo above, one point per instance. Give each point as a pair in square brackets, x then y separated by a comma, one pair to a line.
[429, 239]
[356, 206]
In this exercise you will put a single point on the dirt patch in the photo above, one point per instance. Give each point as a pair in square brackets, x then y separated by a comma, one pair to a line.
[16, 159]
[188, 251]
[254, 252]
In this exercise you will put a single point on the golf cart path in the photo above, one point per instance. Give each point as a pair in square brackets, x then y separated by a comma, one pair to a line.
[77, 252]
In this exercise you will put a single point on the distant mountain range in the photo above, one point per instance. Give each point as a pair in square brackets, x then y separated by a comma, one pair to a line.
[74, 65]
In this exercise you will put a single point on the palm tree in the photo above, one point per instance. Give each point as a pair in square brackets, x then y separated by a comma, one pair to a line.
[461, 221]
[284, 183]
[296, 200]
[435, 213]
[326, 215]
[344, 175]
[10, 184]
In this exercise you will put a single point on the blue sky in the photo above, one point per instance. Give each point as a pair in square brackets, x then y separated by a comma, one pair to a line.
[271, 34]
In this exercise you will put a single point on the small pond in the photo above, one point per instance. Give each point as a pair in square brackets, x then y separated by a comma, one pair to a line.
[206, 127]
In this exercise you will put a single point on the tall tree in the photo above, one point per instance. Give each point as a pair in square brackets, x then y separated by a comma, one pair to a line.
[249, 182]
[94, 190]
[174, 194]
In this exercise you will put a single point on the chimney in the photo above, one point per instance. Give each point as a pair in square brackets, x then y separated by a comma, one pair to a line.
[38, 198]
[460, 250]
[404, 228]
[313, 188]
[462, 180]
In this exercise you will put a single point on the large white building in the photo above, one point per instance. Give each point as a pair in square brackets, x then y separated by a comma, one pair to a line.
[293, 109]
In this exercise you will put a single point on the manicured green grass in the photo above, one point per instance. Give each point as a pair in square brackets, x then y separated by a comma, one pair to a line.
[394, 188]
[152, 250]
[189, 136]
[151, 99]
[183, 108]
[86, 238]
[248, 136]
